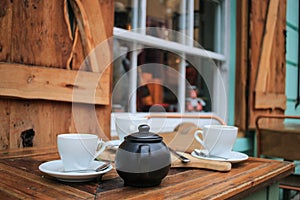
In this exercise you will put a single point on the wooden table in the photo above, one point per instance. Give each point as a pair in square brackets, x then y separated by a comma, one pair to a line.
[20, 178]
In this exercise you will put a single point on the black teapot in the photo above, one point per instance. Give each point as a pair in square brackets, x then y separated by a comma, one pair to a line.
[143, 159]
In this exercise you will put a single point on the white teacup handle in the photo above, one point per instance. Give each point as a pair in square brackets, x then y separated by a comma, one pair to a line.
[196, 135]
[103, 146]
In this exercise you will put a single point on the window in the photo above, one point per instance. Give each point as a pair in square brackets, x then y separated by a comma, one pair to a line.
[170, 56]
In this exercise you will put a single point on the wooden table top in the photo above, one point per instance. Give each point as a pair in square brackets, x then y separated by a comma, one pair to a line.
[21, 178]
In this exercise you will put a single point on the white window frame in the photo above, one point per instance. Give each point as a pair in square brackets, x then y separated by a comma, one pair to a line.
[140, 38]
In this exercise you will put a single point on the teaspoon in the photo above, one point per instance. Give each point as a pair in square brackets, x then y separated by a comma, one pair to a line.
[178, 155]
[100, 168]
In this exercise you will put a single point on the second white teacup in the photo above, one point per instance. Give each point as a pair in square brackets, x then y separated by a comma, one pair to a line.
[217, 139]
[127, 124]
[77, 151]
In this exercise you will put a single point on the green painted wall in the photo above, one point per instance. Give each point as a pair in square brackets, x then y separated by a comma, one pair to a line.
[232, 62]
[292, 56]
[292, 29]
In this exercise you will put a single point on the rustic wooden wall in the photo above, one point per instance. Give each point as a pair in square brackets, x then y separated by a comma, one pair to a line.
[56, 35]
[260, 77]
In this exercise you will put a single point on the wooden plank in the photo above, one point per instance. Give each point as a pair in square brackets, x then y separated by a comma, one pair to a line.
[5, 24]
[62, 118]
[195, 184]
[285, 141]
[270, 100]
[54, 84]
[244, 179]
[4, 119]
[264, 61]
[26, 115]
[268, 93]
[32, 152]
[40, 36]
[240, 114]
[36, 186]
[39, 33]
[277, 63]
[95, 40]
[258, 10]
[86, 118]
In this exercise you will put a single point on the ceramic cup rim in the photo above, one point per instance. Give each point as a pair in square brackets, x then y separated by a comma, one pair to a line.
[131, 118]
[220, 127]
[76, 136]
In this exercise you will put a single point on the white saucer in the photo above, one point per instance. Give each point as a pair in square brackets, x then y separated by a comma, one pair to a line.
[55, 168]
[233, 157]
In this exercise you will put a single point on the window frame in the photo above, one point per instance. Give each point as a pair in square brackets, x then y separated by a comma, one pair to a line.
[221, 59]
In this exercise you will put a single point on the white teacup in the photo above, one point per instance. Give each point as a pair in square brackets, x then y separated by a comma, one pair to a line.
[127, 124]
[218, 140]
[77, 151]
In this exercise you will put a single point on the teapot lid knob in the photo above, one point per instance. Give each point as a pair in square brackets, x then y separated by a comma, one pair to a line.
[144, 128]
[144, 135]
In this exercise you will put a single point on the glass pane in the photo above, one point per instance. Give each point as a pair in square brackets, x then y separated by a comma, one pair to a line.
[123, 14]
[164, 15]
[158, 81]
[199, 85]
[121, 76]
[207, 23]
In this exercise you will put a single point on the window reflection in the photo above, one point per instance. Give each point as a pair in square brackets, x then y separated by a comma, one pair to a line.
[161, 76]
[123, 14]
[158, 71]
[206, 21]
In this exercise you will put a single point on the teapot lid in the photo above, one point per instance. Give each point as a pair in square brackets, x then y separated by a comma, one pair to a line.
[144, 135]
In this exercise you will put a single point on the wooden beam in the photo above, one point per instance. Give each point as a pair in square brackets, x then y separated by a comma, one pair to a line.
[242, 23]
[264, 61]
[36, 82]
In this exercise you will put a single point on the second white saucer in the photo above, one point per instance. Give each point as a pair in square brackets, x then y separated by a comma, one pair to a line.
[232, 157]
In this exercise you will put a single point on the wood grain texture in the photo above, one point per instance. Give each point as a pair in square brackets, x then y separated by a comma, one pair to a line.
[41, 60]
[261, 50]
[39, 34]
[270, 100]
[33, 82]
[244, 179]
[4, 118]
[266, 49]
[6, 11]
[240, 111]
[200, 163]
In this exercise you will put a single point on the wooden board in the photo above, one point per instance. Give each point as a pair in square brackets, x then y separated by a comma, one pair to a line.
[41, 55]
[244, 179]
[36, 82]
[47, 119]
[261, 69]
[276, 72]
[39, 33]
[270, 100]
[266, 49]
[200, 163]
[240, 118]
[280, 142]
